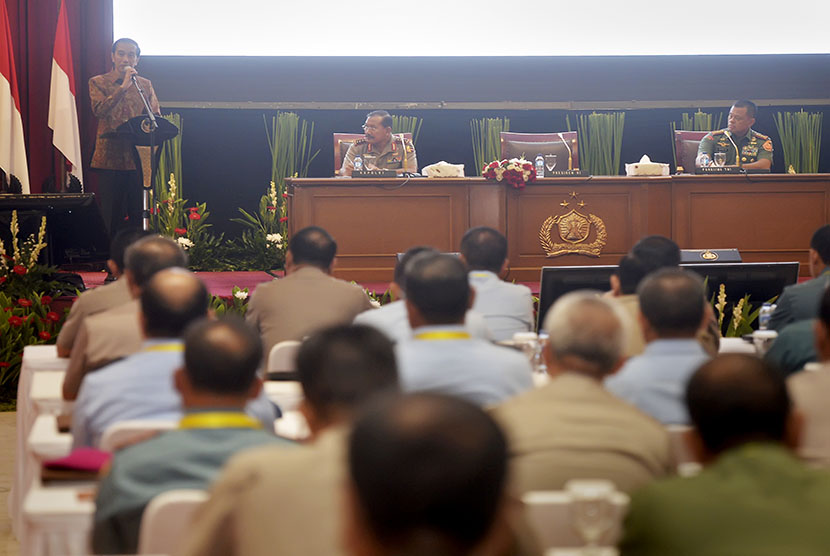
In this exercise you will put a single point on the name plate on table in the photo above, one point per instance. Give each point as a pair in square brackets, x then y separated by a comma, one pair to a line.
[565, 173]
[374, 174]
[718, 170]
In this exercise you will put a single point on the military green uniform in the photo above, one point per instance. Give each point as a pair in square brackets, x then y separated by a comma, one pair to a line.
[399, 154]
[753, 147]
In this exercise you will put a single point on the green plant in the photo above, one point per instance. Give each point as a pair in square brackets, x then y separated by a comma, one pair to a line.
[800, 140]
[486, 141]
[237, 304]
[742, 315]
[407, 124]
[170, 160]
[600, 142]
[20, 273]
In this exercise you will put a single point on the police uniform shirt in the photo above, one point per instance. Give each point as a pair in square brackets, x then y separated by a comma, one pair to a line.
[753, 146]
[399, 154]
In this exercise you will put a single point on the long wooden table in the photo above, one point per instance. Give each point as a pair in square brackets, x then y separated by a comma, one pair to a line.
[767, 217]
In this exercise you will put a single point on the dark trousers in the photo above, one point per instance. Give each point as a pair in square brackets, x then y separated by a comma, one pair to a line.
[119, 194]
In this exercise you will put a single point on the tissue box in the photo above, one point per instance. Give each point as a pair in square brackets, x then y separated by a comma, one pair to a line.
[443, 170]
[647, 169]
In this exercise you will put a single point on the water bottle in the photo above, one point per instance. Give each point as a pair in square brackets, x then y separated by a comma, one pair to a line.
[764, 315]
[540, 166]
[703, 160]
[358, 164]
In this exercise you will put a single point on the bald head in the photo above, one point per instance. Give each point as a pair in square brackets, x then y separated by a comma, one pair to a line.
[672, 301]
[171, 300]
[437, 286]
[427, 466]
[222, 356]
[147, 256]
[585, 333]
[734, 399]
[313, 246]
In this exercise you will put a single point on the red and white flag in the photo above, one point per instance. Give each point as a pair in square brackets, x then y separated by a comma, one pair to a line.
[12, 143]
[63, 114]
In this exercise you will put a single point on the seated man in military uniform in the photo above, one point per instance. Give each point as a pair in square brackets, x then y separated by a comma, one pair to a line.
[379, 149]
[755, 148]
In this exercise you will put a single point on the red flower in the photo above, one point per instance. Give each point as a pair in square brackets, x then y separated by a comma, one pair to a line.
[195, 216]
[272, 209]
[285, 195]
[19, 269]
[45, 335]
[15, 321]
[24, 302]
[5, 365]
[284, 219]
[180, 231]
[193, 209]
[45, 300]
[7, 309]
[3, 279]
[53, 316]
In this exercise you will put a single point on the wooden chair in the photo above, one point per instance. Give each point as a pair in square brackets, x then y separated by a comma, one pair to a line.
[342, 142]
[166, 520]
[528, 145]
[685, 149]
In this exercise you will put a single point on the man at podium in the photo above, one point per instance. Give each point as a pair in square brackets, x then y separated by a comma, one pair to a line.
[114, 101]
[738, 144]
[379, 149]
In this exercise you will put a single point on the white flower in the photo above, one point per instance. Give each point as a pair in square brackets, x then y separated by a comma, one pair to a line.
[184, 243]
[274, 238]
[241, 294]
[374, 303]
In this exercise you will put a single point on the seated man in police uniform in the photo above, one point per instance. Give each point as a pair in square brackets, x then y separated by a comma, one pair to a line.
[380, 149]
[755, 148]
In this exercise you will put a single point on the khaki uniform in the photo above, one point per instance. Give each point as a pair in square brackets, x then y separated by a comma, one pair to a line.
[393, 156]
[753, 146]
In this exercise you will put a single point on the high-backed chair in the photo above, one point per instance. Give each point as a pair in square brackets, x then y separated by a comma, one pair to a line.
[685, 149]
[528, 145]
[342, 142]
[166, 519]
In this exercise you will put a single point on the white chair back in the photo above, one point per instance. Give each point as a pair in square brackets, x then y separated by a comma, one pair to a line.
[166, 520]
[687, 463]
[549, 514]
[125, 433]
[282, 357]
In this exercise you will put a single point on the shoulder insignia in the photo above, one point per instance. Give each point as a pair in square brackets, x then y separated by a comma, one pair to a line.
[760, 135]
[767, 146]
[359, 141]
[718, 132]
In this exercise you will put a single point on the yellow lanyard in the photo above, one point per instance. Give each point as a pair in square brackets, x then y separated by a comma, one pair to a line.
[165, 347]
[438, 335]
[219, 420]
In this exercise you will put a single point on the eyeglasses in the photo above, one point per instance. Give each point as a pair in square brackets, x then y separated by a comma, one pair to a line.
[372, 127]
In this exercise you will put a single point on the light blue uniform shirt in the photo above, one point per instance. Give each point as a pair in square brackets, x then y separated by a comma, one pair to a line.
[470, 368]
[393, 321]
[139, 387]
[506, 308]
[655, 381]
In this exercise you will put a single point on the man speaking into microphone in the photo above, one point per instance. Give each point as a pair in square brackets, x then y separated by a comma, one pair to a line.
[114, 101]
[380, 149]
[741, 145]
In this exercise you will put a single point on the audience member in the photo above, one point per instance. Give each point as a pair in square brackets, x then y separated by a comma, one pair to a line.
[442, 356]
[672, 310]
[102, 298]
[628, 275]
[286, 501]
[507, 308]
[427, 475]
[140, 386]
[753, 496]
[793, 348]
[801, 301]
[392, 319]
[116, 332]
[217, 380]
[572, 428]
[810, 391]
[656, 252]
[308, 298]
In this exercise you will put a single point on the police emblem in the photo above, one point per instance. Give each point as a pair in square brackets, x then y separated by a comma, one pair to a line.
[709, 255]
[573, 230]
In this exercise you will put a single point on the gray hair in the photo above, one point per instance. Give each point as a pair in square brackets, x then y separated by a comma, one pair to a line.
[585, 326]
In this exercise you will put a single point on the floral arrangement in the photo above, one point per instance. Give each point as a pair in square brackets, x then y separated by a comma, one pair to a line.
[264, 238]
[743, 314]
[20, 272]
[236, 305]
[518, 172]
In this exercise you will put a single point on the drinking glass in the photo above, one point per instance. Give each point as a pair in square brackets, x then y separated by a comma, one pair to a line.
[592, 511]
[370, 161]
[720, 159]
[550, 162]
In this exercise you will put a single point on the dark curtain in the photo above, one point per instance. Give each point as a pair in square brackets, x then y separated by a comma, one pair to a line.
[32, 24]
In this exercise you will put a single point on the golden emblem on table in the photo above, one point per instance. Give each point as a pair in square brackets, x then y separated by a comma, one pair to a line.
[573, 230]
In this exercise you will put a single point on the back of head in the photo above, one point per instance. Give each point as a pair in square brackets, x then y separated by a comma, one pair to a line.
[428, 471]
[341, 367]
[122, 241]
[171, 300]
[656, 252]
[585, 330]
[484, 249]
[437, 285]
[820, 243]
[630, 272]
[147, 256]
[672, 301]
[222, 356]
[400, 267]
[736, 398]
[313, 246]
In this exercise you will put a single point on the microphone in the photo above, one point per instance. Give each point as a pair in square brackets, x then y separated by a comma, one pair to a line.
[570, 155]
[737, 152]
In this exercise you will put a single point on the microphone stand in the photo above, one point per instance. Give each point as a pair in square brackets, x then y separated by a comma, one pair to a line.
[145, 198]
[737, 152]
[570, 155]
